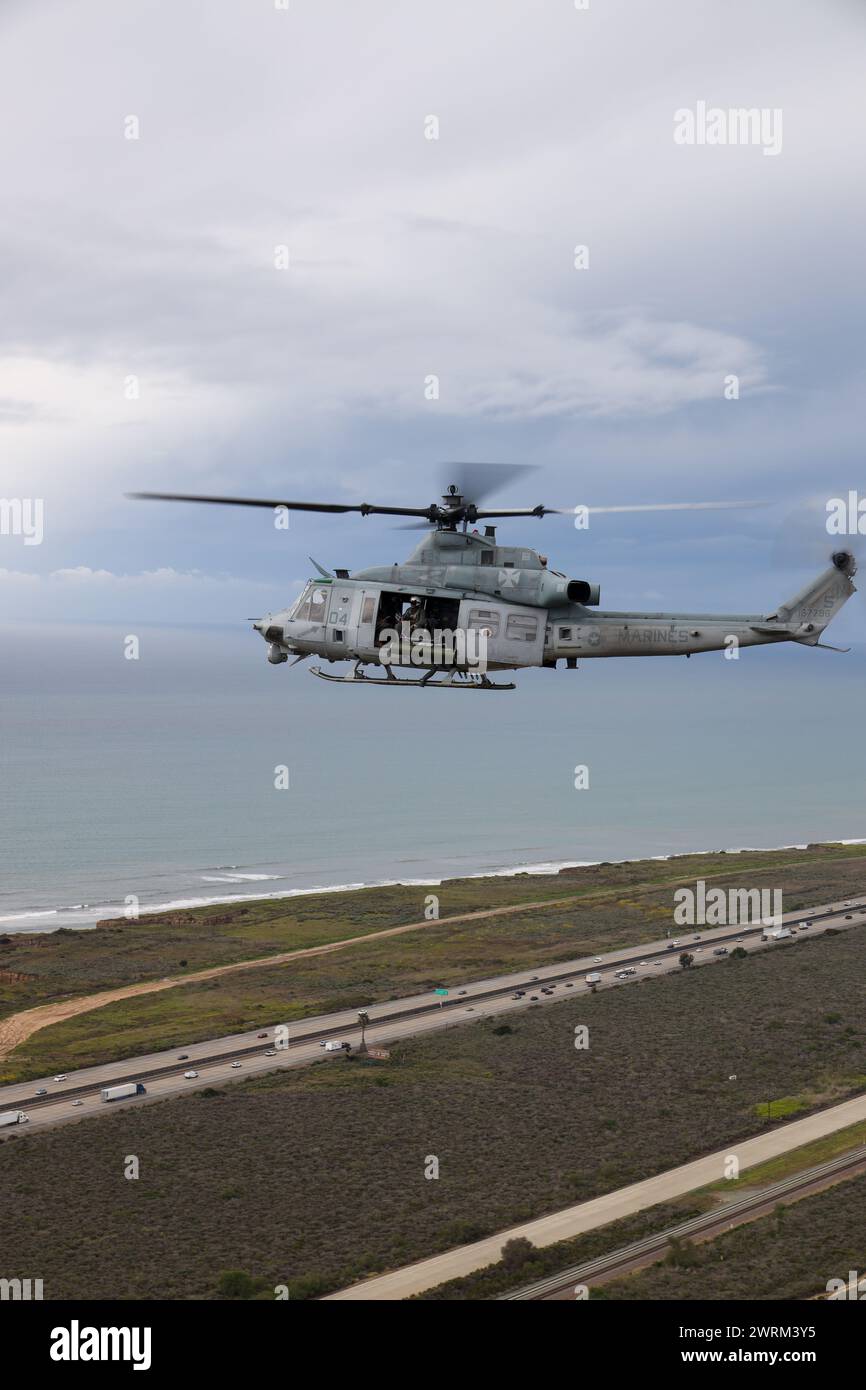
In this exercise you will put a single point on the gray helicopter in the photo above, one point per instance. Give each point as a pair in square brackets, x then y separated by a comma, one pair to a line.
[463, 605]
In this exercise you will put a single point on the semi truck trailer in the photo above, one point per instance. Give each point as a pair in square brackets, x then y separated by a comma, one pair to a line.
[13, 1117]
[132, 1088]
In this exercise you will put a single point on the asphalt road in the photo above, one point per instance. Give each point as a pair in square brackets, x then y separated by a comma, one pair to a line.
[213, 1059]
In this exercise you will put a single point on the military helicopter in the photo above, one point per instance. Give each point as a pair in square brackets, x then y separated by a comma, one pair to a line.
[463, 605]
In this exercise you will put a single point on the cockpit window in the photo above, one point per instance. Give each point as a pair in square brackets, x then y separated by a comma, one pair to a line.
[302, 607]
[318, 604]
[312, 605]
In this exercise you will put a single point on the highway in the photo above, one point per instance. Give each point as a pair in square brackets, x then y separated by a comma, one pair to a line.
[221, 1060]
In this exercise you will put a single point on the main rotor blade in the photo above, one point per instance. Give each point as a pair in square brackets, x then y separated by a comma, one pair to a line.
[664, 507]
[365, 508]
[475, 481]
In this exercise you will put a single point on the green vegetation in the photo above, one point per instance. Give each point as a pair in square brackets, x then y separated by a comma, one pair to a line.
[781, 1109]
[315, 1177]
[808, 1156]
[587, 911]
[523, 1263]
[789, 1254]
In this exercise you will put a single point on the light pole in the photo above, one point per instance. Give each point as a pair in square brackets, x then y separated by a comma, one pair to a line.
[363, 1019]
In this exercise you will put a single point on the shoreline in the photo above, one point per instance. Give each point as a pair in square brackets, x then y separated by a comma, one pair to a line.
[543, 868]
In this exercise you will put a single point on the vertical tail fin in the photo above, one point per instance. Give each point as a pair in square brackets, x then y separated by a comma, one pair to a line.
[816, 605]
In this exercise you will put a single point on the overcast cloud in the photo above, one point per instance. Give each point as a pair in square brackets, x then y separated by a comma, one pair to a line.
[154, 258]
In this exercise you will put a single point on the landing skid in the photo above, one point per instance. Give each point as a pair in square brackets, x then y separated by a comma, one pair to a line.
[447, 680]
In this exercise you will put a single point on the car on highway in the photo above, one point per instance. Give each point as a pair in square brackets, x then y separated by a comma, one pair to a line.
[849, 917]
[670, 946]
[624, 974]
[533, 998]
[262, 1035]
[517, 996]
[235, 1066]
[570, 985]
[183, 1057]
[61, 1077]
[78, 1102]
[720, 951]
[643, 962]
[270, 1052]
[43, 1091]
[696, 938]
[190, 1075]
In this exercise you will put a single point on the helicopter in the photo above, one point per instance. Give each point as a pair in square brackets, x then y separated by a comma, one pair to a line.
[463, 605]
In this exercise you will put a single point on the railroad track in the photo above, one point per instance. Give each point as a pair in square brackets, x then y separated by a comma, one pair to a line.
[621, 1260]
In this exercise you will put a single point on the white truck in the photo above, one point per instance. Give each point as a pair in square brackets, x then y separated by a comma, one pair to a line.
[335, 1046]
[132, 1088]
[13, 1117]
[593, 978]
[775, 933]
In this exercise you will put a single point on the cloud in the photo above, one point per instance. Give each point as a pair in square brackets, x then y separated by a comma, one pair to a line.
[153, 260]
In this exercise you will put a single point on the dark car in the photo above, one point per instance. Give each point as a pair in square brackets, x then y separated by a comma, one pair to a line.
[184, 1057]
[263, 1035]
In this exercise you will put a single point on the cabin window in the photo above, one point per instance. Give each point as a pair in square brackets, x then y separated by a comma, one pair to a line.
[520, 628]
[487, 557]
[565, 634]
[368, 608]
[338, 636]
[484, 618]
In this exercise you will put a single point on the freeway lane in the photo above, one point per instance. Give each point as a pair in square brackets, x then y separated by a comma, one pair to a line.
[213, 1059]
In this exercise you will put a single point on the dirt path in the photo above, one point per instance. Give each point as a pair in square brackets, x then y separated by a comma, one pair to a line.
[17, 1028]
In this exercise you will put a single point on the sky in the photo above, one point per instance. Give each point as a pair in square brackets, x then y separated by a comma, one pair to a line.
[251, 295]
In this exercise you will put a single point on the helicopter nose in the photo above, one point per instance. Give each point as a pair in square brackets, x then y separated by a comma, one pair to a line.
[270, 630]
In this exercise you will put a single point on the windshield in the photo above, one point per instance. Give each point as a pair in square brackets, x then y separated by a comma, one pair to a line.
[312, 605]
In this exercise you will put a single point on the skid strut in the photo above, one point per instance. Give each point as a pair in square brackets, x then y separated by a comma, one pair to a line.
[447, 680]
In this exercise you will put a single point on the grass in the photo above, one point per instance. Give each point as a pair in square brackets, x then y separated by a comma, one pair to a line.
[38, 967]
[587, 911]
[786, 1165]
[790, 1254]
[316, 1177]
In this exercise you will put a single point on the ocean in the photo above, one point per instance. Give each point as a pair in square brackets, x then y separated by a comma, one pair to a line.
[169, 795]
